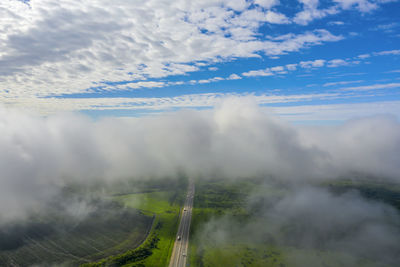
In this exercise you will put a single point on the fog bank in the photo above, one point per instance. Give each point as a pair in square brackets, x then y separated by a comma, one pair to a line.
[39, 155]
[309, 217]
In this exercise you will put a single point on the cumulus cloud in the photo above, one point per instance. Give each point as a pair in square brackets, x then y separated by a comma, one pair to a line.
[40, 155]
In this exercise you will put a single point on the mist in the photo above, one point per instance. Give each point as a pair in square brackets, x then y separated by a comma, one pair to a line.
[311, 217]
[237, 139]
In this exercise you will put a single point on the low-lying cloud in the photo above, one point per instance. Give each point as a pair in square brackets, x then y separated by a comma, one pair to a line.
[40, 155]
[310, 217]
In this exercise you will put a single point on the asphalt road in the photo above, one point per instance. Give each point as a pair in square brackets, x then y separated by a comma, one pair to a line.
[179, 253]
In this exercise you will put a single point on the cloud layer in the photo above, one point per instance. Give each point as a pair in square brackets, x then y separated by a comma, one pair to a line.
[74, 47]
[237, 139]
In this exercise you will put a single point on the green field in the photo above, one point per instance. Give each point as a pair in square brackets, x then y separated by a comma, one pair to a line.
[224, 212]
[163, 203]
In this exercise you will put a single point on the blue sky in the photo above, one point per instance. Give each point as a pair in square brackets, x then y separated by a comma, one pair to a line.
[309, 61]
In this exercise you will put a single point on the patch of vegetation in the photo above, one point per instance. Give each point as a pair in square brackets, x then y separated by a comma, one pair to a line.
[222, 201]
[131, 256]
[382, 191]
[213, 199]
[241, 255]
[164, 205]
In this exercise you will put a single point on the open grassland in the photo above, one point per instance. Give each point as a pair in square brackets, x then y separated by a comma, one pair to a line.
[223, 210]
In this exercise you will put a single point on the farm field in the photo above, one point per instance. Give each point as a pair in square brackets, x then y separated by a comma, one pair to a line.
[109, 230]
[163, 204]
[129, 225]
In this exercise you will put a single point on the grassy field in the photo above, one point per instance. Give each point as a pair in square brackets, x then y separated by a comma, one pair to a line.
[223, 207]
[166, 207]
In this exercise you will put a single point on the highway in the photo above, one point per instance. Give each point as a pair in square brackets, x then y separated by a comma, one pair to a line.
[179, 253]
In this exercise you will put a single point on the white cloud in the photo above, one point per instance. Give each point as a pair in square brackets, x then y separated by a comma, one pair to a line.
[387, 28]
[150, 104]
[311, 13]
[276, 18]
[336, 22]
[210, 80]
[337, 63]
[364, 56]
[394, 71]
[387, 53]
[361, 5]
[312, 63]
[133, 85]
[254, 73]
[292, 42]
[267, 4]
[318, 63]
[52, 105]
[372, 87]
[74, 46]
[234, 77]
[278, 69]
[214, 79]
[291, 67]
[341, 83]
[337, 112]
